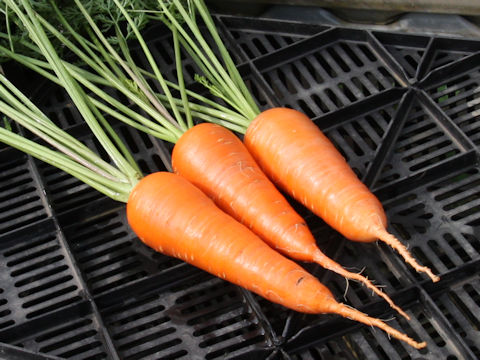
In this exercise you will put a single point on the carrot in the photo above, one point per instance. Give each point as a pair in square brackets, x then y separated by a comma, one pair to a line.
[298, 157]
[287, 146]
[215, 160]
[174, 217]
[166, 211]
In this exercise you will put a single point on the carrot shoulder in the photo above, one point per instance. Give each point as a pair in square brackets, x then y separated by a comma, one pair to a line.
[216, 161]
[298, 157]
[174, 217]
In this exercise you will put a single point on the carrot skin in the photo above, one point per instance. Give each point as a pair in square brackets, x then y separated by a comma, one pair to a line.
[300, 159]
[216, 161]
[172, 216]
[175, 218]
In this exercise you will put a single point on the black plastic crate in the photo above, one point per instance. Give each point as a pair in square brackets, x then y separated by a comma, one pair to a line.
[404, 111]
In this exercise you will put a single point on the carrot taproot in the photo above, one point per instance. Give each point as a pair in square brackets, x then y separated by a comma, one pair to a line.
[216, 161]
[172, 216]
[300, 159]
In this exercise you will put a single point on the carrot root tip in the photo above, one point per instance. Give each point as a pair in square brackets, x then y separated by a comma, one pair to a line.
[355, 315]
[324, 261]
[393, 242]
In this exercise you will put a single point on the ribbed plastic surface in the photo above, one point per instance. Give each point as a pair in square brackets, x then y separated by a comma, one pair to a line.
[403, 109]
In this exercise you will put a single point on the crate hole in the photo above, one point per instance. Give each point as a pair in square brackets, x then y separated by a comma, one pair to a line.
[120, 268]
[34, 255]
[375, 125]
[132, 330]
[53, 307]
[45, 286]
[360, 86]
[63, 330]
[143, 166]
[38, 265]
[333, 53]
[334, 98]
[273, 41]
[6, 324]
[325, 65]
[158, 348]
[19, 193]
[116, 257]
[217, 305]
[319, 102]
[430, 330]
[387, 76]
[476, 351]
[145, 339]
[230, 335]
[124, 278]
[129, 139]
[440, 253]
[474, 295]
[348, 48]
[86, 348]
[26, 247]
[348, 93]
[118, 247]
[68, 114]
[367, 52]
[364, 135]
[411, 61]
[305, 108]
[454, 244]
[258, 44]
[449, 316]
[50, 296]
[351, 143]
[466, 213]
[247, 50]
[465, 311]
[217, 326]
[312, 71]
[374, 81]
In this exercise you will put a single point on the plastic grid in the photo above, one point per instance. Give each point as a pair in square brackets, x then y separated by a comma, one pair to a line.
[401, 108]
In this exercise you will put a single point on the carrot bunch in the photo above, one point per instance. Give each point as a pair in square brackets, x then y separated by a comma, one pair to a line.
[168, 213]
[289, 148]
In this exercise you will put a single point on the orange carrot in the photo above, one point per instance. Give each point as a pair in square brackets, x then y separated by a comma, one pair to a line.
[216, 161]
[174, 217]
[297, 156]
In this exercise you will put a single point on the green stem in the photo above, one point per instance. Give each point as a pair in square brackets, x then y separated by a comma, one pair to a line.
[202, 99]
[147, 92]
[150, 59]
[27, 123]
[84, 43]
[201, 109]
[215, 67]
[38, 35]
[181, 82]
[106, 77]
[232, 69]
[113, 189]
[38, 120]
[118, 142]
[108, 110]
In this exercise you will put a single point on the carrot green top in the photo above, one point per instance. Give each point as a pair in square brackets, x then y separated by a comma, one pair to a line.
[107, 63]
[100, 64]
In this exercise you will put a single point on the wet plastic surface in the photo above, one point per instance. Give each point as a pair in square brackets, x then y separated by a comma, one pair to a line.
[403, 109]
